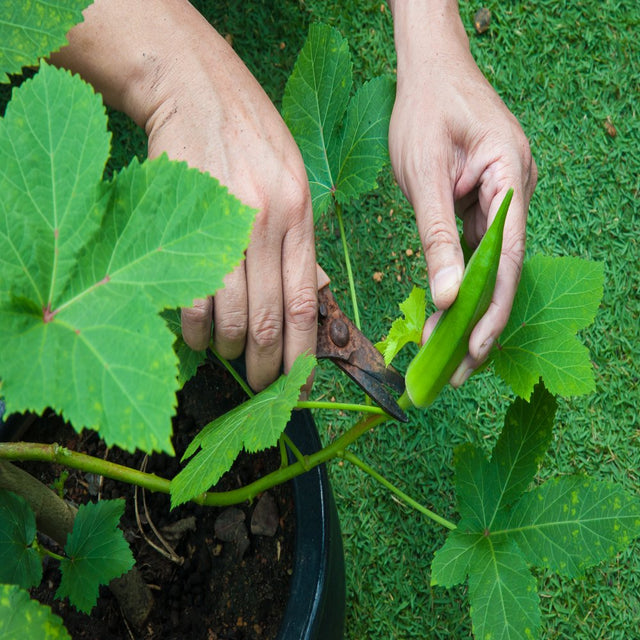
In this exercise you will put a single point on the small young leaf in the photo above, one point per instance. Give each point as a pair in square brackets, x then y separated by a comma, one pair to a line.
[314, 103]
[571, 523]
[257, 424]
[29, 30]
[21, 617]
[502, 593]
[96, 553]
[556, 298]
[19, 562]
[406, 329]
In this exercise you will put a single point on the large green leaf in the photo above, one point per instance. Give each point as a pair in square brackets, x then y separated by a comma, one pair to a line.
[502, 593]
[571, 523]
[30, 29]
[96, 553]
[87, 266]
[21, 617]
[342, 158]
[19, 561]
[567, 524]
[254, 425]
[556, 298]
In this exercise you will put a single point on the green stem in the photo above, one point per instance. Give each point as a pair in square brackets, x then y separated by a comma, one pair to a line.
[66, 457]
[236, 376]
[47, 552]
[282, 445]
[296, 452]
[339, 406]
[347, 455]
[347, 259]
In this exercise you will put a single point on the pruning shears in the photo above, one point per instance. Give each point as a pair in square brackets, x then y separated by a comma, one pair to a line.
[340, 341]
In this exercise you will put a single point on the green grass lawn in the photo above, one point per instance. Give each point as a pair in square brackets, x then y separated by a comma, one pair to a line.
[569, 72]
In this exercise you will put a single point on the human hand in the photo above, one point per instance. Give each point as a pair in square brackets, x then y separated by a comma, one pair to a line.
[224, 123]
[165, 66]
[456, 149]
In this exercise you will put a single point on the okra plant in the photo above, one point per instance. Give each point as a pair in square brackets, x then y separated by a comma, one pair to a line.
[93, 270]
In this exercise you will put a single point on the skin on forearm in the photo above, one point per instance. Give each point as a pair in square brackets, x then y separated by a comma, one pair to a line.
[425, 30]
[132, 51]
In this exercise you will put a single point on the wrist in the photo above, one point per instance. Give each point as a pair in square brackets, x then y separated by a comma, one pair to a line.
[426, 31]
[140, 55]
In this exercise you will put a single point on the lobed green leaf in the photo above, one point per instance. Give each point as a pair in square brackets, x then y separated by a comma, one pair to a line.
[89, 265]
[30, 29]
[343, 141]
[218, 444]
[19, 561]
[556, 298]
[96, 553]
[21, 617]
[571, 523]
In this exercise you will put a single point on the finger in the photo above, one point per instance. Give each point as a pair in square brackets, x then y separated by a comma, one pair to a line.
[230, 317]
[300, 288]
[263, 351]
[321, 276]
[439, 235]
[196, 324]
[430, 325]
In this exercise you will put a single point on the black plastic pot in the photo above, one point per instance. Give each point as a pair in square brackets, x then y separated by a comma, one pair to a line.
[316, 606]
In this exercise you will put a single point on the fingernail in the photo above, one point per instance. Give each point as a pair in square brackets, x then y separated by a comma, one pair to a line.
[445, 284]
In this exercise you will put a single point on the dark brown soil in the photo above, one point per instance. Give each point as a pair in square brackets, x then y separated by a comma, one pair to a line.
[220, 591]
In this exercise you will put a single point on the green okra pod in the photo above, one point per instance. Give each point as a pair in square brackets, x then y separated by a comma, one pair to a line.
[448, 344]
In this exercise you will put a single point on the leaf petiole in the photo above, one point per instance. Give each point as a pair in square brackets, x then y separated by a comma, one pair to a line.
[347, 260]
[339, 406]
[350, 457]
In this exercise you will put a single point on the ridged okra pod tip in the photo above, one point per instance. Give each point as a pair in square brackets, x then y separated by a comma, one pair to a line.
[448, 344]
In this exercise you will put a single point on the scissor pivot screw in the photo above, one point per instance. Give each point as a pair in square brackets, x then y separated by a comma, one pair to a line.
[339, 332]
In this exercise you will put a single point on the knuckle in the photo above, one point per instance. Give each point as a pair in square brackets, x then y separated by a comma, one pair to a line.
[197, 315]
[266, 331]
[436, 235]
[231, 326]
[301, 309]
